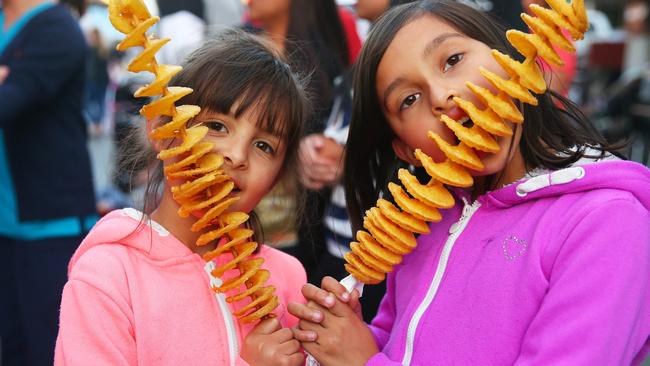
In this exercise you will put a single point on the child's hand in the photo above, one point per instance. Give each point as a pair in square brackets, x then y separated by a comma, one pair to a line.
[340, 337]
[270, 344]
[331, 288]
[326, 298]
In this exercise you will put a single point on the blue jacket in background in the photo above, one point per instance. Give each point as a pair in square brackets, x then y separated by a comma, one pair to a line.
[46, 186]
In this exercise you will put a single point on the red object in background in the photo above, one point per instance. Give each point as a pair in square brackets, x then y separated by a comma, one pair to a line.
[349, 22]
[607, 55]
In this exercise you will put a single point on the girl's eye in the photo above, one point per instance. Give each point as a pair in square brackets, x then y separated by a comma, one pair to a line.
[453, 60]
[265, 147]
[216, 126]
[408, 101]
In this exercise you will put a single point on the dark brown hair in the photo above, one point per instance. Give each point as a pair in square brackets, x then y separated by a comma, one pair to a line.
[549, 137]
[317, 44]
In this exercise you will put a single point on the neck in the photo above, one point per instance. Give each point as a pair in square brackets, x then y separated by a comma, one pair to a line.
[276, 30]
[13, 10]
[166, 215]
[514, 170]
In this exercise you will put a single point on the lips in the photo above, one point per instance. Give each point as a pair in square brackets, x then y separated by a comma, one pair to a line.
[238, 188]
[460, 116]
[456, 114]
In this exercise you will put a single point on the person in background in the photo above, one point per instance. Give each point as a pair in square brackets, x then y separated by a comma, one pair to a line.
[320, 38]
[635, 22]
[509, 13]
[96, 82]
[223, 12]
[46, 188]
[559, 78]
[371, 10]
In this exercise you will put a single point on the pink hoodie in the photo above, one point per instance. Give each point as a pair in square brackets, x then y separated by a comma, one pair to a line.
[137, 295]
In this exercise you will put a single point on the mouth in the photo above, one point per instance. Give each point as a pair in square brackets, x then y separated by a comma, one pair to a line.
[466, 122]
[237, 189]
[459, 115]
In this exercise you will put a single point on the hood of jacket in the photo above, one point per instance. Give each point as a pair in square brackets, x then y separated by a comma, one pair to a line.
[129, 228]
[584, 175]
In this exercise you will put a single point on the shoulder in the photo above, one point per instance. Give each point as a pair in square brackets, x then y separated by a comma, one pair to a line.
[606, 223]
[104, 271]
[55, 26]
[606, 202]
[99, 262]
[107, 250]
[57, 15]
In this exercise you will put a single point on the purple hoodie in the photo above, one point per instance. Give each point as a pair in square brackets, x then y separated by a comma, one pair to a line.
[553, 270]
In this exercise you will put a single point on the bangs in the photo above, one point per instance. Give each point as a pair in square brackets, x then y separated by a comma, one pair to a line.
[242, 77]
[276, 112]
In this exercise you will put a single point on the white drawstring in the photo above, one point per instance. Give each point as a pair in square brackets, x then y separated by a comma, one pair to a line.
[542, 181]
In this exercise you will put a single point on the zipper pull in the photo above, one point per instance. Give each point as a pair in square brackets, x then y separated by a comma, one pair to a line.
[454, 227]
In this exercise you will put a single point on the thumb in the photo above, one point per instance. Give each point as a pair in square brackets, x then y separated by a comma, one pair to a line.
[267, 326]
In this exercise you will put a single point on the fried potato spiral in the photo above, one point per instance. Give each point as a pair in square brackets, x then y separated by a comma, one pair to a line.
[206, 188]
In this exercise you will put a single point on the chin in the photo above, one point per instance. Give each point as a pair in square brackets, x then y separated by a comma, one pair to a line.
[492, 165]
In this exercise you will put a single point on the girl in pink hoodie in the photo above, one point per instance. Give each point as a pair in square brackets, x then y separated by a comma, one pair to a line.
[545, 261]
[138, 290]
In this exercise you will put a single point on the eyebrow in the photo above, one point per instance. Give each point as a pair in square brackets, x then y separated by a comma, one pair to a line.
[428, 49]
[436, 42]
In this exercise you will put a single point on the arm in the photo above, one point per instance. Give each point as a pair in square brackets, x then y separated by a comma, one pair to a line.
[595, 311]
[47, 62]
[94, 329]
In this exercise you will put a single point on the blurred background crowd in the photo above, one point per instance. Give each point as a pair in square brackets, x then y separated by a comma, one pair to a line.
[609, 77]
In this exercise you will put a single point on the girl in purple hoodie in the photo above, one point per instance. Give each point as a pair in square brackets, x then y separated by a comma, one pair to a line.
[546, 261]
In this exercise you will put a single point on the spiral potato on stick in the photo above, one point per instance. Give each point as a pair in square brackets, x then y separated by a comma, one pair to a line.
[390, 230]
[206, 188]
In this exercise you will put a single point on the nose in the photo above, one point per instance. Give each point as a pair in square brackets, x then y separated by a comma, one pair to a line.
[235, 155]
[441, 99]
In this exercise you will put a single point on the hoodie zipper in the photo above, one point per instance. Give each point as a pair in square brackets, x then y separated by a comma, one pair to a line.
[455, 231]
[229, 322]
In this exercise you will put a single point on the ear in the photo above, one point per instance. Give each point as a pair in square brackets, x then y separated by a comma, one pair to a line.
[404, 152]
[152, 124]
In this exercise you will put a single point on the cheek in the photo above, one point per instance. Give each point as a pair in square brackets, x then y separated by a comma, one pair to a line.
[264, 176]
[490, 64]
[429, 146]
[495, 163]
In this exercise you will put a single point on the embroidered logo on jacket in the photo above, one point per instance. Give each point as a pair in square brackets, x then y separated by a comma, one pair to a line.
[513, 247]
